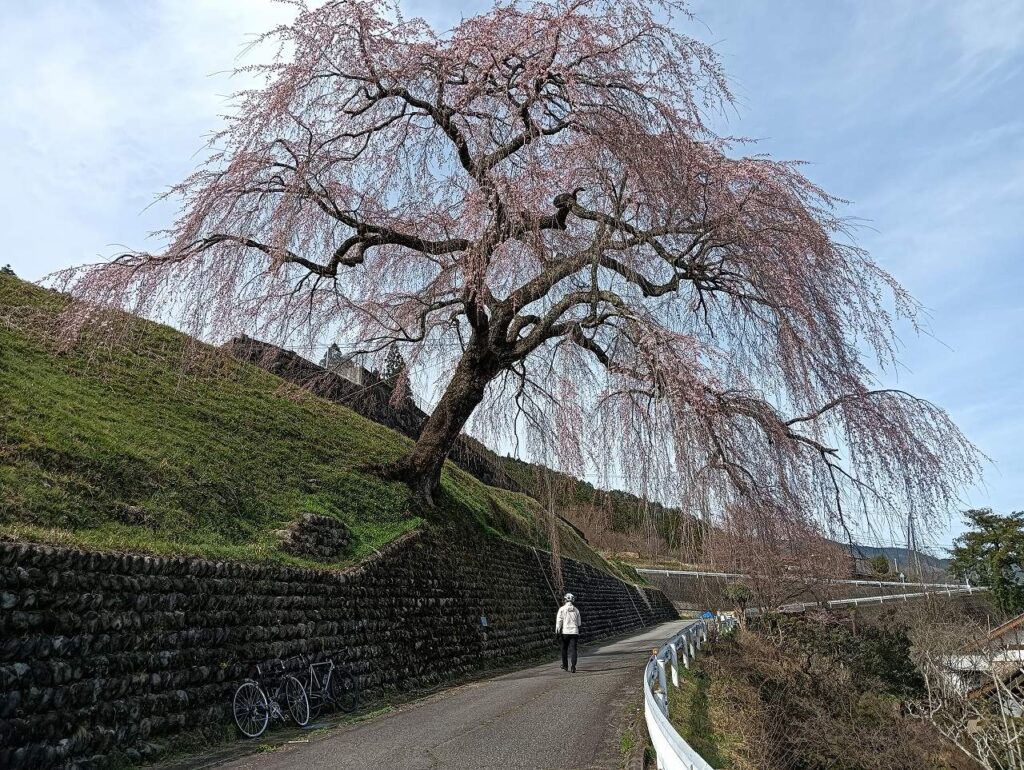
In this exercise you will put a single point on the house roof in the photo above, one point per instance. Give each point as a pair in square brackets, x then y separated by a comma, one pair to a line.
[1012, 679]
[994, 634]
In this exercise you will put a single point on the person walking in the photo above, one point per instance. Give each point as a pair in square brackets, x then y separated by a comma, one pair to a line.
[567, 625]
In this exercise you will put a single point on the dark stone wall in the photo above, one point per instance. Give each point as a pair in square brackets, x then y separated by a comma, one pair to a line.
[107, 654]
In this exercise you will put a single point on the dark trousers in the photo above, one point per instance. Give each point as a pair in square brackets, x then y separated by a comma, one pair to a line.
[569, 650]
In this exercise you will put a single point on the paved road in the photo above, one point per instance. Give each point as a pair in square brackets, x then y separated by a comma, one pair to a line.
[538, 719]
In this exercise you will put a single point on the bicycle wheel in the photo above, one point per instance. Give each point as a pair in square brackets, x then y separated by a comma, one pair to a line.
[344, 690]
[251, 710]
[298, 703]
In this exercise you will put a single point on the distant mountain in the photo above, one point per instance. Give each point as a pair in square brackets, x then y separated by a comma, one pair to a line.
[907, 560]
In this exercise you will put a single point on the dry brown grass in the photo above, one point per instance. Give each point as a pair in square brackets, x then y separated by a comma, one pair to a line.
[778, 706]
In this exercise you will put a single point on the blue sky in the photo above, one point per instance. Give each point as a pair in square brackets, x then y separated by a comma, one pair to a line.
[911, 109]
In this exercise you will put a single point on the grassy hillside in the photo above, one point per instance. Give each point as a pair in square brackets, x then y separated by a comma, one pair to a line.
[612, 520]
[142, 447]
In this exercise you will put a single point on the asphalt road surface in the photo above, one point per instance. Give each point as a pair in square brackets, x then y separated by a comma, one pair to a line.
[541, 718]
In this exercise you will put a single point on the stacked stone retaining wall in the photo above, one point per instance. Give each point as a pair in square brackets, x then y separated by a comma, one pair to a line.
[106, 656]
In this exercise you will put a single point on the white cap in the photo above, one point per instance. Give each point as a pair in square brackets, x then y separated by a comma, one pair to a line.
[569, 597]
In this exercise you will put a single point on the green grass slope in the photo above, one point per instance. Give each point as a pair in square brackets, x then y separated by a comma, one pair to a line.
[143, 447]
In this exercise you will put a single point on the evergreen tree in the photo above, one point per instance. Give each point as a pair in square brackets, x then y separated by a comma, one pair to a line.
[6, 270]
[991, 554]
[332, 357]
[879, 565]
[740, 594]
[395, 376]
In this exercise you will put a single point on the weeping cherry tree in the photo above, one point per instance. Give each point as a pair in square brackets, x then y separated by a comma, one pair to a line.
[535, 205]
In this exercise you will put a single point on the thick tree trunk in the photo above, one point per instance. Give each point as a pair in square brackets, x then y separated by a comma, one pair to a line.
[421, 468]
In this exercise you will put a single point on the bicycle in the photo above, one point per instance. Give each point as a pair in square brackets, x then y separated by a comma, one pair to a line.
[253, 708]
[331, 685]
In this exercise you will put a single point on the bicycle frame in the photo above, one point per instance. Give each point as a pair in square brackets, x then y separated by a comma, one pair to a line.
[321, 682]
[315, 683]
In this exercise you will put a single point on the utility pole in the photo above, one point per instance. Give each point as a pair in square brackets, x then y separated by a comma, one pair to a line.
[912, 548]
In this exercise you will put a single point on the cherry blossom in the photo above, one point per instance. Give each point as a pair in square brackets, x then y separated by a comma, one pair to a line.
[534, 203]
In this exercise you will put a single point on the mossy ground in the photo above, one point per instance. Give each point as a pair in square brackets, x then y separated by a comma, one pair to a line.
[158, 444]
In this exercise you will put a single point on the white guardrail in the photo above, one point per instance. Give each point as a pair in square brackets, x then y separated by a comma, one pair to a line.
[859, 601]
[672, 751]
[825, 581]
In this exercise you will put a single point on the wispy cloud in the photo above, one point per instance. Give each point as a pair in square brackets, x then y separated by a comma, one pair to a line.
[912, 110]
[105, 104]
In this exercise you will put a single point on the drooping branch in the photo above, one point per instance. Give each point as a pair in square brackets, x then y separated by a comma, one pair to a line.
[534, 203]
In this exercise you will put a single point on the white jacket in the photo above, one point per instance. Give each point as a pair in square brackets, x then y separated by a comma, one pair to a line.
[568, 621]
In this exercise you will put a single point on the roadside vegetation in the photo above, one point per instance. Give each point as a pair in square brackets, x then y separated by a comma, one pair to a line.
[810, 693]
[689, 707]
[144, 446]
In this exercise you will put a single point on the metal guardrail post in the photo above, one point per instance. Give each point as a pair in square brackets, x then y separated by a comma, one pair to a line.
[675, 662]
[663, 684]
